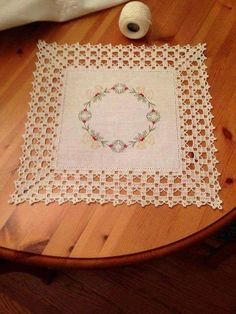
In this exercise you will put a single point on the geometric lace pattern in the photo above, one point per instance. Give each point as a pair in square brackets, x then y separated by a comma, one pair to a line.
[196, 183]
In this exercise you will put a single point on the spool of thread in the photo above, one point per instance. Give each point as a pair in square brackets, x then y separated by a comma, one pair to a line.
[135, 20]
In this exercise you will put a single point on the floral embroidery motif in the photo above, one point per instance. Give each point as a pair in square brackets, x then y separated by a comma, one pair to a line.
[85, 115]
[140, 141]
[88, 140]
[145, 91]
[118, 146]
[149, 141]
[153, 116]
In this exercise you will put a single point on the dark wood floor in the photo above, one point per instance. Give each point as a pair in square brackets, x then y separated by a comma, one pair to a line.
[180, 283]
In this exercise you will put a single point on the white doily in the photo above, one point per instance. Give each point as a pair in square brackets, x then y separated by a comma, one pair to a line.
[163, 153]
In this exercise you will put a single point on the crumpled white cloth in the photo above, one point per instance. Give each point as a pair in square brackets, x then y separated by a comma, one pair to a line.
[18, 12]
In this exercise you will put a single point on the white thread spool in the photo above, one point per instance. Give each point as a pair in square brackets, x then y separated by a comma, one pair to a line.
[135, 20]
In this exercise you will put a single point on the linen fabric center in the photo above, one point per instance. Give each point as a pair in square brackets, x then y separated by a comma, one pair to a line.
[119, 119]
[119, 124]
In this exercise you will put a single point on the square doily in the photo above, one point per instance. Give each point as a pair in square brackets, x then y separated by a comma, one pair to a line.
[120, 124]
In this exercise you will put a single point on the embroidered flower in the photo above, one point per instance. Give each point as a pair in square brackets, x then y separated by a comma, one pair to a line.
[87, 139]
[90, 93]
[100, 95]
[118, 146]
[95, 136]
[141, 136]
[119, 88]
[85, 115]
[140, 94]
[148, 93]
[153, 116]
[148, 141]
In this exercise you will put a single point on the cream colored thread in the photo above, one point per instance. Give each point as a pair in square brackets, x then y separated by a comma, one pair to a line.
[138, 14]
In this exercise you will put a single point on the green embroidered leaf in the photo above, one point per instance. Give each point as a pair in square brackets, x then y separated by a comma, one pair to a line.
[87, 104]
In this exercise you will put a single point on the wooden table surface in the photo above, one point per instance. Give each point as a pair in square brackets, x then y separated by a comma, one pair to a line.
[95, 235]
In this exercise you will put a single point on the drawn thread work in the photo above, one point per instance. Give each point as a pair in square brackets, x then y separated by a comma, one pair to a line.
[197, 183]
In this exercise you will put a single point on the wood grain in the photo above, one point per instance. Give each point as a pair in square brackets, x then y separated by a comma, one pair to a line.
[176, 284]
[95, 231]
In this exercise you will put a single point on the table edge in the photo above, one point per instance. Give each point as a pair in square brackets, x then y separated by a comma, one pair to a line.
[100, 262]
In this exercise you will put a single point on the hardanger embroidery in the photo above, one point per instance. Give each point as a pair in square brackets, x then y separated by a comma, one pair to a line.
[119, 124]
[118, 145]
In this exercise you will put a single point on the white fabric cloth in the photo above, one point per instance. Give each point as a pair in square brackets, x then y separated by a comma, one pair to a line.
[18, 12]
[119, 124]
[124, 119]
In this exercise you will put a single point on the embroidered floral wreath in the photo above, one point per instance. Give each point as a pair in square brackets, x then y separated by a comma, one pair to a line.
[118, 146]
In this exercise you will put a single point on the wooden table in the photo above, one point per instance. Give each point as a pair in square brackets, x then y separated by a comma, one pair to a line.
[94, 235]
